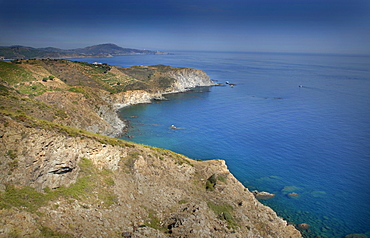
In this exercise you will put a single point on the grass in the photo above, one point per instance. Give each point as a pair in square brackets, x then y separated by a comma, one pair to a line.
[153, 221]
[4, 91]
[31, 89]
[24, 198]
[211, 183]
[47, 232]
[13, 73]
[221, 178]
[223, 212]
[12, 154]
[70, 131]
[90, 179]
[179, 159]
[79, 90]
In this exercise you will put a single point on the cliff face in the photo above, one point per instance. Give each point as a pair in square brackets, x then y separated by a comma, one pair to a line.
[87, 96]
[59, 179]
[189, 78]
[105, 187]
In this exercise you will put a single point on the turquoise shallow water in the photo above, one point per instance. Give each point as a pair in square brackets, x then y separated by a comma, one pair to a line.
[275, 136]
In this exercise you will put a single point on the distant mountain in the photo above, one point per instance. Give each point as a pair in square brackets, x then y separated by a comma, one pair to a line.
[102, 50]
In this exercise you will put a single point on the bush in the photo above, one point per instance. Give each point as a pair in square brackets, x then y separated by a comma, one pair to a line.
[12, 154]
[223, 212]
[211, 183]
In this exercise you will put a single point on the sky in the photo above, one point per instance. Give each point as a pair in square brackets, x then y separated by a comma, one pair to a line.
[314, 26]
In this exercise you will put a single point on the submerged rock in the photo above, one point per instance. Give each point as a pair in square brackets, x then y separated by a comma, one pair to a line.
[303, 226]
[293, 194]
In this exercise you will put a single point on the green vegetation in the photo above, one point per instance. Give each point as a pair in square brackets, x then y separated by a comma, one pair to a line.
[25, 77]
[221, 178]
[4, 91]
[183, 201]
[47, 232]
[12, 166]
[211, 183]
[179, 159]
[12, 154]
[79, 90]
[223, 212]
[23, 198]
[149, 77]
[153, 221]
[70, 131]
[90, 179]
[31, 88]
[13, 73]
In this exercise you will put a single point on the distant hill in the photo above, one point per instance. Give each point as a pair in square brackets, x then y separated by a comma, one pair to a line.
[102, 50]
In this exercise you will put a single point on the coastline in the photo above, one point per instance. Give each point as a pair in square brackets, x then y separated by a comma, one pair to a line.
[52, 153]
[187, 80]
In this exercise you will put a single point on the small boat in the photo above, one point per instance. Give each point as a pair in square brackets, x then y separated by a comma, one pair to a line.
[227, 82]
[173, 127]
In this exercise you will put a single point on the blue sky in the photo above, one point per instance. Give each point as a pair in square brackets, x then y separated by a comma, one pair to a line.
[322, 26]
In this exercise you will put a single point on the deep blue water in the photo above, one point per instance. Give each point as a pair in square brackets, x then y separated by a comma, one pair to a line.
[272, 133]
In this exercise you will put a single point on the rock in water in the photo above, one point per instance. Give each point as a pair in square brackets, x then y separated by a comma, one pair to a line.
[263, 195]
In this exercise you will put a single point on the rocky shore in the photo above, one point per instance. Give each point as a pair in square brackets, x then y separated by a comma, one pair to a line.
[62, 176]
[69, 183]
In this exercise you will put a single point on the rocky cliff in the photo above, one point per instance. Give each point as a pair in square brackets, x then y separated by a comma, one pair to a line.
[189, 78]
[63, 182]
[61, 177]
[87, 96]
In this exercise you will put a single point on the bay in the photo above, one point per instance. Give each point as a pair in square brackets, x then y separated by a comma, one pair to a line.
[292, 123]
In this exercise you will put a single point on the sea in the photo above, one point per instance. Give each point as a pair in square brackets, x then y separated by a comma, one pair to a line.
[291, 124]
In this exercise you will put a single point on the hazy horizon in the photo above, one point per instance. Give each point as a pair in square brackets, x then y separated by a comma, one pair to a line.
[287, 26]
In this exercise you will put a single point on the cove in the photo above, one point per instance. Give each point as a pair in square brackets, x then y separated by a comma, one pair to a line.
[292, 123]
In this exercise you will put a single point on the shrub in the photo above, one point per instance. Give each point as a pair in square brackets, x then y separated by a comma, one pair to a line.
[221, 178]
[211, 183]
[12, 154]
[223, 212]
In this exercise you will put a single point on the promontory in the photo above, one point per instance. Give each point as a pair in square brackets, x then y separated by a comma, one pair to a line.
[64, 174]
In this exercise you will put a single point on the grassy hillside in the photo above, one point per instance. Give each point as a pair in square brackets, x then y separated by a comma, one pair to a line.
[59, 177]
[73, 73]
[74, 93]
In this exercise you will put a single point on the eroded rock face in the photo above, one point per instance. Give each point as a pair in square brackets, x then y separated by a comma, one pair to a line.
[96, 111]
[48, 159]
[263, 194]
[128, 98]
[157, 193]
[189, 78]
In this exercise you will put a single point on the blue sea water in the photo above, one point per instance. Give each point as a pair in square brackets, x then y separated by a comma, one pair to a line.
[275, 136]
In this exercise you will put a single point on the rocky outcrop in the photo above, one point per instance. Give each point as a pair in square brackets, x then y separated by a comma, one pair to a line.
[263, 195]
[48, 159]
[119, 189]
[60, 181]
[128, 98]
[91, 113]
[95, 110]
[189, 78]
